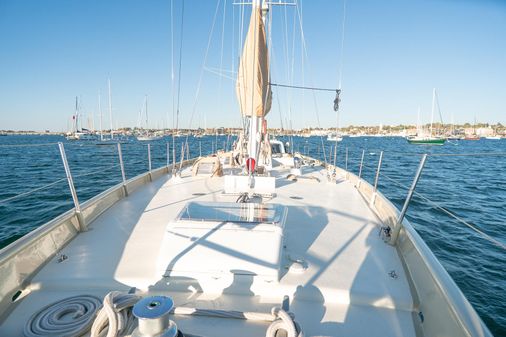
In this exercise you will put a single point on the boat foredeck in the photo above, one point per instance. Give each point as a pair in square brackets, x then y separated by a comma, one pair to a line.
[347, 289]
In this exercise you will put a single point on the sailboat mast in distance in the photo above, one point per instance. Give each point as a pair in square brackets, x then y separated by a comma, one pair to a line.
[432, 113]
[418, 129]
[76, 125]
[110, 106]
[146, 108]
[100, 113]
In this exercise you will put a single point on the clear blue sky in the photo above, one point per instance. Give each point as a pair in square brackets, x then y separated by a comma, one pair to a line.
[395, 52]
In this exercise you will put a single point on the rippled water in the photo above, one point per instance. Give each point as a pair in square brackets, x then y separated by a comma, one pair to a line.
[472, 187]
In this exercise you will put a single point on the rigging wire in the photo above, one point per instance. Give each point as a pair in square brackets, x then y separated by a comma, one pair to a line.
[301, 87]
[243, 121]
[232, 49]
[220, 93]
[449, 213]
[199, 83]
[276, 97]
[95, 171]
[462, 221]
[439, 108]
[341, 58]
[172, 60]
[219, 73]
[287, 70]
[3, 201]
[172, 77]
[27, 145]
[180, 65]
[305, 54]
[291, 79]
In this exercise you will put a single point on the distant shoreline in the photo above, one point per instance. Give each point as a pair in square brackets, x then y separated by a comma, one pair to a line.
[497, 127]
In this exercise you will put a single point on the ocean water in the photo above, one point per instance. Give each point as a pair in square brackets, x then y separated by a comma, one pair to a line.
[467, 178]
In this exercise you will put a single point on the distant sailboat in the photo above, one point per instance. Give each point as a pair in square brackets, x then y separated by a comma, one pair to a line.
[430, 139]
[473, 136]
[453, 135]
[146, 135]
[76, 133]
[103, 139]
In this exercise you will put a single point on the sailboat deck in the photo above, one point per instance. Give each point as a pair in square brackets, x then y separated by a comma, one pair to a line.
[347, 289]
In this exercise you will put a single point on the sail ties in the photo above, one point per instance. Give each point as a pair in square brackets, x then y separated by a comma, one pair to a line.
[337, 100]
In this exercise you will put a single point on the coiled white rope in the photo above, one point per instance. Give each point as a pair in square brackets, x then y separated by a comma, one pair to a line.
[284, 321]
[69, 317]
[74, 316]
[115, 318]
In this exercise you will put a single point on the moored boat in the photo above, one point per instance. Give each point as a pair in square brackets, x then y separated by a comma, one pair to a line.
[426, 140]
[334, 137]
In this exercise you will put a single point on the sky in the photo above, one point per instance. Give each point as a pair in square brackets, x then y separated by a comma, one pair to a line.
[393, 54]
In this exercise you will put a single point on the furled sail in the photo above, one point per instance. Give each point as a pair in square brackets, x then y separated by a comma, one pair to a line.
[252, 87]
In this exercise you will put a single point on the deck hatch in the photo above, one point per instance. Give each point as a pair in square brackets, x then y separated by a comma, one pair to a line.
[216, 238]
[251, 213]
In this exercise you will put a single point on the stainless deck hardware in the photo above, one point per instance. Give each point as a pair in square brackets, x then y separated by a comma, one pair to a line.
[123, 176]
[80, 218]
[168, 154]
[346, 159]
[378, 172]
[360, 169]
[153, 315]
[393, 274]
[398, 224]
[149, 157]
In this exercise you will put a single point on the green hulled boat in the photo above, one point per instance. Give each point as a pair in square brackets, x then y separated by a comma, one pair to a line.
[426, 140]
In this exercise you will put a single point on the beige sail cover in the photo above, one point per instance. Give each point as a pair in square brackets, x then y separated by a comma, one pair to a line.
[252, 87]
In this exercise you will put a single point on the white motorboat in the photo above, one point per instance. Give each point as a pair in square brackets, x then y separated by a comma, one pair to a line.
[334, 137]
[148, 137]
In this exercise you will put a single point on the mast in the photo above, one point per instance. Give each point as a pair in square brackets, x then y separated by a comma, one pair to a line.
[432, 113]
[100, 113]
[418, 131]
[254, 120]
[253, 88]
[93, 122]
[76, 125]
[146, 109]
[452, 129]
[110, 106]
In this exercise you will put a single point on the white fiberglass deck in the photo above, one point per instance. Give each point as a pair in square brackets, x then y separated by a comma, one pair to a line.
[346, 290]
